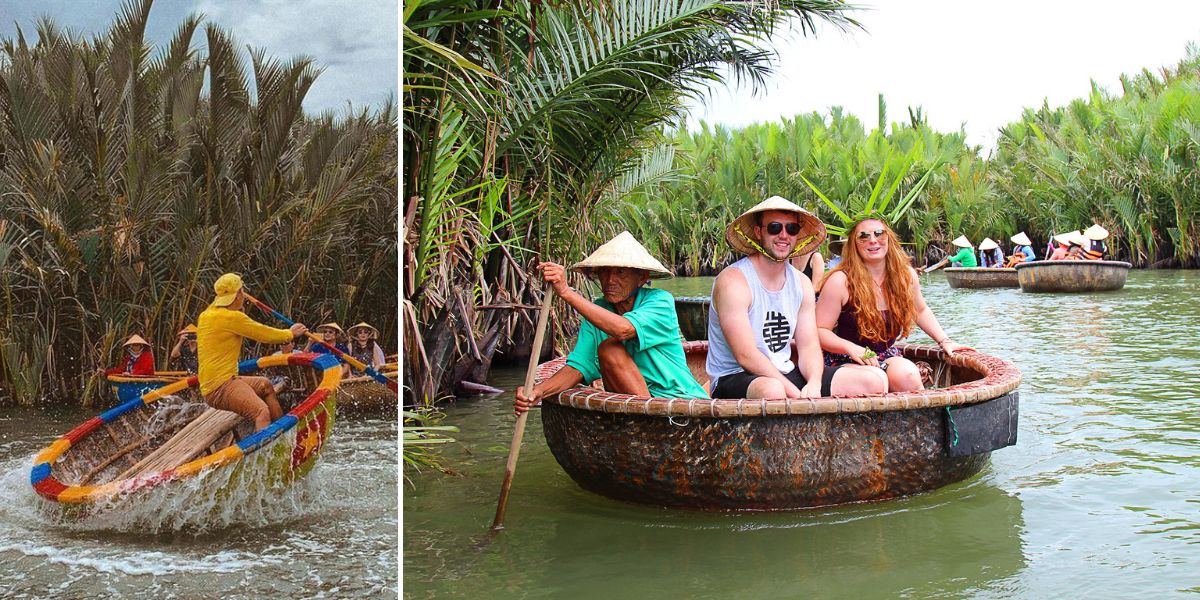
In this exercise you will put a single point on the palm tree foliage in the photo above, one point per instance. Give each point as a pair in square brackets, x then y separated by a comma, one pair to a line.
[126, 188]
[525, 124]
[722, 172]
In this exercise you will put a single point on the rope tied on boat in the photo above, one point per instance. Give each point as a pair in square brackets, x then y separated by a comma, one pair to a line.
[953, 427]
[687, 421]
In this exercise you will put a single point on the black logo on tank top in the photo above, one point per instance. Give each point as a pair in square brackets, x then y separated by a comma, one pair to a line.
[775, 331]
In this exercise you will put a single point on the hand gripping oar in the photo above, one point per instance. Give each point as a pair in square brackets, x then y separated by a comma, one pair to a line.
[514, 448]
[357, 364]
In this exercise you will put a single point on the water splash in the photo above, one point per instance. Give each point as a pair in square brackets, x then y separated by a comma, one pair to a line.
[241, 494]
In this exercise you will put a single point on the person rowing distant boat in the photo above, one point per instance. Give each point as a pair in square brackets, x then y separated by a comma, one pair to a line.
[629, 336]
[139, 360]
[219, 334]
[965, 257]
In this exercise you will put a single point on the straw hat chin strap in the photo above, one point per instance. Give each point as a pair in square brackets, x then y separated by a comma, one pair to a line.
[754, 244]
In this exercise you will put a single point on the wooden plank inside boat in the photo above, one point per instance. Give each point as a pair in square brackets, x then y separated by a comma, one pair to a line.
[189, 443]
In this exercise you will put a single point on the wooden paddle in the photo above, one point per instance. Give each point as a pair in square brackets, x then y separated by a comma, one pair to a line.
[514, 449]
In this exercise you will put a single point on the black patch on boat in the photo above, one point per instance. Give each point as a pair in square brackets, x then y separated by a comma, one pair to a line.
[982, 427]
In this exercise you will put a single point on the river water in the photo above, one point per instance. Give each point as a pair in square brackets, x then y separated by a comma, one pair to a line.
[332, 536]
[1099, 498]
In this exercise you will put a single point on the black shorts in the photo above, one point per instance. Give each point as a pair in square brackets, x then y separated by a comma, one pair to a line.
[734, 385]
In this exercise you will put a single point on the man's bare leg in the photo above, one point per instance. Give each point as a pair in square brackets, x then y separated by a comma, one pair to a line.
[620, 373]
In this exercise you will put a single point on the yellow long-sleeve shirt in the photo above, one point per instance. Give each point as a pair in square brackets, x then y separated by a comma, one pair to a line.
[219, 334]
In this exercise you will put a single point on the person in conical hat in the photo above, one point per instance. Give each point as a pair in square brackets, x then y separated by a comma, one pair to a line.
[183, 354]
[363, 346]
[629, 337]
[762, 304]
[138, 359]
[990, 254]
[871, 300]
[1093, 243]
[1022, 250]
[963, 257]
[1061, 242]
[220, 331]
[331, 333]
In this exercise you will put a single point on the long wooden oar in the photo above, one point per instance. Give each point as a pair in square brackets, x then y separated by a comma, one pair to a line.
[357, 364]
[514, 449]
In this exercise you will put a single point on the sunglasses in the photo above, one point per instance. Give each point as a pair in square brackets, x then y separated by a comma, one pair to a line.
[774, 227]
[866, 235]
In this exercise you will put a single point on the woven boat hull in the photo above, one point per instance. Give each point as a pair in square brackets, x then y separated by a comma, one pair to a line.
[692, 313]
[979, 278]
[98, 461]
[752, 455]
[1072, 275]
[364, 395]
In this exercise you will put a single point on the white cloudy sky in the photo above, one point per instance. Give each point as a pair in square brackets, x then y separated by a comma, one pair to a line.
[355, 41]
[977, 63]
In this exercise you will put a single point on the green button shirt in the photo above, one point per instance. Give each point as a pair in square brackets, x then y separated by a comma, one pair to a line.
[657, 349]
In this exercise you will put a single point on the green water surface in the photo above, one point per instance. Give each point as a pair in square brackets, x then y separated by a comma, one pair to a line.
[1100, 497]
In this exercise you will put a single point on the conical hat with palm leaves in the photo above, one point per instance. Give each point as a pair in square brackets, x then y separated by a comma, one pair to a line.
[740, 233]
[962, 242]
[988, 244]
[1021, 239]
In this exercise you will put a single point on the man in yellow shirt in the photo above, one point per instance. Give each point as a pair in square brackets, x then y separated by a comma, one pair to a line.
[220, 330]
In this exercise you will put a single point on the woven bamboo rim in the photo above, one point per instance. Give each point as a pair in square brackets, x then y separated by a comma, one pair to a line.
[1051, 263]
[1000, 377]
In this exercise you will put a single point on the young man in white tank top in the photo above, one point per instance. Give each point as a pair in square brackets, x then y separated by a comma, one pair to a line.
[761, 302]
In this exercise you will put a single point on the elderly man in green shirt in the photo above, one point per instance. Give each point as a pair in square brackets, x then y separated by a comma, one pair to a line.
[629, 336]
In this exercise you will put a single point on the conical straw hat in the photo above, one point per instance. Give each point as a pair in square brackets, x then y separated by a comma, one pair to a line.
[740, 233]
[1021, 239]
[189, 329]
[332, 325]
[988, 244]
[136, 339]
[1068, 238]
[364, 325]
[1095, 232]
[1078, 238]
[962, 242]
[622, 251]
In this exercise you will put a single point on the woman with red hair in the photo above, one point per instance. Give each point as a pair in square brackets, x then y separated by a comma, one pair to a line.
[872, 299]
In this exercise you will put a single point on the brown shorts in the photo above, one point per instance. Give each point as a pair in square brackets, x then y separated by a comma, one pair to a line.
[242, 395]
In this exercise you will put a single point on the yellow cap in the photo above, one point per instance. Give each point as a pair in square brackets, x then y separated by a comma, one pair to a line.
[227, 286]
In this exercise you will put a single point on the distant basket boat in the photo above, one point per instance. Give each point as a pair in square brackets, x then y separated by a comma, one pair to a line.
[170, 434]
[785, 454]
[692, 313]
[363, 394]
[1072, 275]
[131, 387]
[978, 277]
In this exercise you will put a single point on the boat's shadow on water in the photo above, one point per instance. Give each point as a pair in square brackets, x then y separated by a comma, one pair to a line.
[961, 538]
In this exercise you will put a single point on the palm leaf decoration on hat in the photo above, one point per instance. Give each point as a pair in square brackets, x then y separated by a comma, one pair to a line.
[879, 204]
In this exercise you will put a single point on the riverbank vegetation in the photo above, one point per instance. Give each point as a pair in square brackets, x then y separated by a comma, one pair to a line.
[1123, 159]
[523, 127]
[132, 176]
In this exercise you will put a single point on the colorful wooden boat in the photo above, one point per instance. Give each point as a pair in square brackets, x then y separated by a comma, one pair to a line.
[973, 278]
[785, 454]
[131, 387]
[692, 313]
[1072, 275]
[169, 435]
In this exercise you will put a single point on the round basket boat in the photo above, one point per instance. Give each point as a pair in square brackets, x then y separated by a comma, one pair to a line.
[785, 454]
[1072, 275]
[170, 434]
[973, 278]
[692, 313]
[363, 394]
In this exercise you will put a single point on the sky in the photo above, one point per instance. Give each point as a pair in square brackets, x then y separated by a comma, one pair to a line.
[972, 63]
[355, 41]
